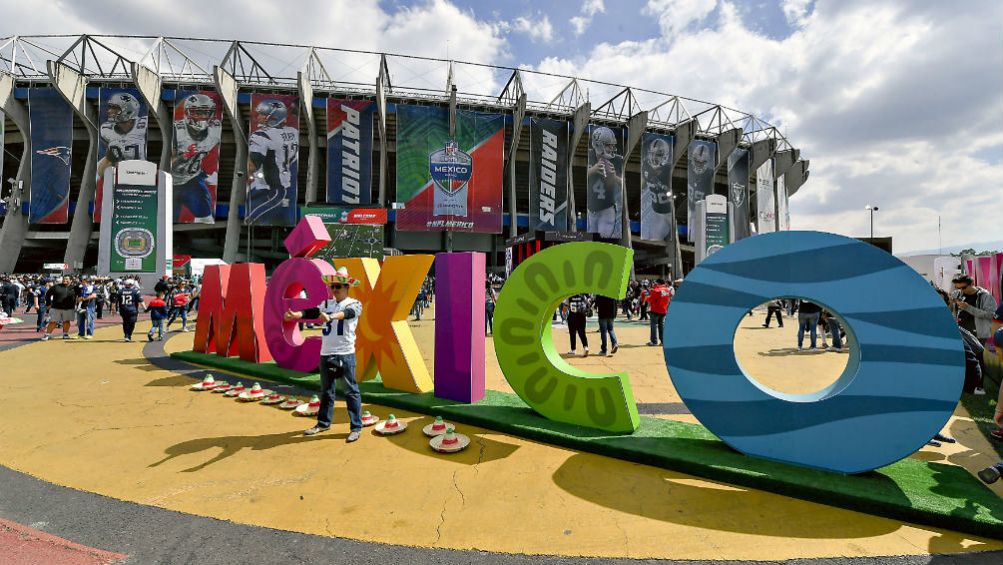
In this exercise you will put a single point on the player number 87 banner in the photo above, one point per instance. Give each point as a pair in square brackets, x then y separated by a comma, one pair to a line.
[124, 122]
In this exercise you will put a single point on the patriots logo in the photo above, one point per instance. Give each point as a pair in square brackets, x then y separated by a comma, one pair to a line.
[60, 151]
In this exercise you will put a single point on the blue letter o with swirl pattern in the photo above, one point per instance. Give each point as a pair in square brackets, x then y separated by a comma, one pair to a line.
[902, 380]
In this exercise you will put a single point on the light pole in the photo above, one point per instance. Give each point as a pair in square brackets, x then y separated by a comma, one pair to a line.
[872, 210]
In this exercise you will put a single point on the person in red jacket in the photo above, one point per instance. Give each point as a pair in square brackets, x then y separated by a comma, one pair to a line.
[658, 301]
[179, 306]
[158, 315]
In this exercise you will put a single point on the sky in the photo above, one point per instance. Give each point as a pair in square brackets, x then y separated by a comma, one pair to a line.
[896, 103]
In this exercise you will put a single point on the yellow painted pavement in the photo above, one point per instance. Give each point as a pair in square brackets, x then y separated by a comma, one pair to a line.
[97, 416]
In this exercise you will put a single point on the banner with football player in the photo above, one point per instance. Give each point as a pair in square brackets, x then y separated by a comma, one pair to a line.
[449, 183]
[699, 179]
[604, 181]
[658, 211]
[783, 210]
[738, 190]
[350, 151]
[198, 128]
[273, 160]
[548, 174]
[51, 122]
[765, 204]
[124, 120]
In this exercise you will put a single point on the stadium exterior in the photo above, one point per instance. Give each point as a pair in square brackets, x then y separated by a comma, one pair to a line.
[77, 66]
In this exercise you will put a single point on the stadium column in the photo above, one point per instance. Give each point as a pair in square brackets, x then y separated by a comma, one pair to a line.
[227, 88]
[683, 134]
[796, 176]
[148, 85]
[15, 225]
[581, 124]
[635, 129]
[518, 114]
[382, 82]
[306, 100]
[782, 162]
[73, 87]
[452, 135]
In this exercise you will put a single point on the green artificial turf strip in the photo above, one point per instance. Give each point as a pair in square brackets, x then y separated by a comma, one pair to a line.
[922, 492]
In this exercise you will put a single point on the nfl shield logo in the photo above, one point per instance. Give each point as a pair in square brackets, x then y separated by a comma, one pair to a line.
[450, 167]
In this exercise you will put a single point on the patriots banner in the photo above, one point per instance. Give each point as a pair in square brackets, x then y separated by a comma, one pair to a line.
[658, 211]
[198, 128]
[738, 190]
[548, 174]
[449, 183]
[349, 151]
[604, 181]
[699, 179]
[124, 120]
[272, 160]
[51, 122]
[765, 204]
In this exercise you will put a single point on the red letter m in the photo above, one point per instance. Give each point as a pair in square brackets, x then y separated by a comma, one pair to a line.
[231, 312]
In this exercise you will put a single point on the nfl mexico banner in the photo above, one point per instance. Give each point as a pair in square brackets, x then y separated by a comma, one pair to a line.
[548, 174]
[449, 184]
[765, 204]
[658, 210]
[124, 120]
[604, 181]
[272, 160]
[51, 123]
[198, 128]
[349, 151]
[738, 191]
[783, 210]
[699, 179]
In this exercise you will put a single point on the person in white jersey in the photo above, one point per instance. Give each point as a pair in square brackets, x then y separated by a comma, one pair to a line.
[340, 315]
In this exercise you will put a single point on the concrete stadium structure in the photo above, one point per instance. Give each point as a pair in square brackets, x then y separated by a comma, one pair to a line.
[78, 65]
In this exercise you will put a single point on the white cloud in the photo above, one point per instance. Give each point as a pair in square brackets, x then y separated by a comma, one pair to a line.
[796, 11]
[537, 29]
[583, 20]
[675, 16]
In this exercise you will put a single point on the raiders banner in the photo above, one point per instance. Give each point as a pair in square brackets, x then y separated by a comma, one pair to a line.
[699, 179]
[51, 120]
[124, 120]
[604, 181]
[738, 191]
[548, 175]
[198, 129]
[765, 204]
[349, 151]
[657, 207]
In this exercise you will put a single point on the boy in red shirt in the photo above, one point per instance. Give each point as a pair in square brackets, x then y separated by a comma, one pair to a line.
[179, 307]
[658, 300]
[158, 315]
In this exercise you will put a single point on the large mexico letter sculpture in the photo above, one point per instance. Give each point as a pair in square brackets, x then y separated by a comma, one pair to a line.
[384, 341]
[300, 274]
[524, 342]
[231, 312]
[905, 368]
[459, 326]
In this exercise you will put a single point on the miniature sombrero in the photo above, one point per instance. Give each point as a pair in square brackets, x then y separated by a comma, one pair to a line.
[290, 403]
[449, 442]
[273, 398]
[222, 386]
[391, 426]
[436, 428]
[369, 419]
[308, 408]
[341, 277]
[254, 394]
[208, 383]
[235, 389]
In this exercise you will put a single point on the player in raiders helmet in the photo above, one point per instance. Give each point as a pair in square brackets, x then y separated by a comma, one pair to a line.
[196, 138]
[273, 159]
[605, 184]
[123, 133]
[656, 191]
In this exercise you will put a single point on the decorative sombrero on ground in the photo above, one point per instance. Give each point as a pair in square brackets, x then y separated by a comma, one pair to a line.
[391, 426]
[254, 394]
[273, 398]
[290, 403]
[369, 419]
[341, 277]
[235, 389]
[449, 442]
[208, 383]
[6, 320]
[221, 387]
[308, 408]
[437, 428]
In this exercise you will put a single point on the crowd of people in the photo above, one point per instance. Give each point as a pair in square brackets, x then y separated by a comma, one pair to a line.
[65, 300]
[812, 320]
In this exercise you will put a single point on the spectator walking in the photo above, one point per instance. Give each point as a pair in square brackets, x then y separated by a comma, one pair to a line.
[490, 298]
[158, 316]
[86, 308]
[179, 306]
[606, 311]
[577, 305]
[975, 306]
[808, 315]
[38, 302]
[835, 330]
[774, 308]
[60, 300]
[128, 306]
[658, 301]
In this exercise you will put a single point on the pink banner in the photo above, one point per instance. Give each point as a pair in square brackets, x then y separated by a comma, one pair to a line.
[994, 277]
[983, 266]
